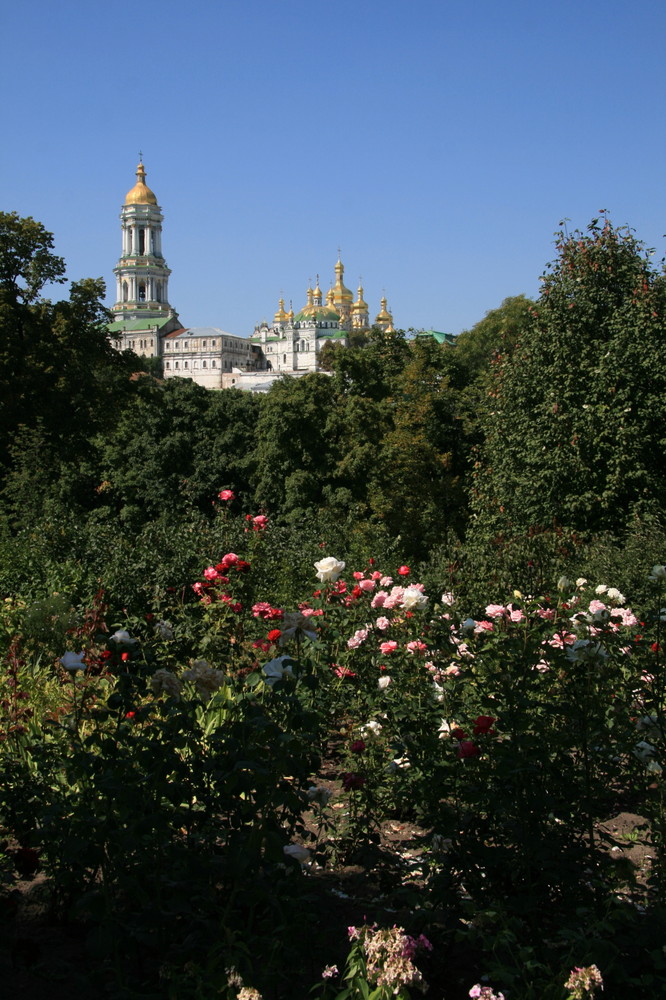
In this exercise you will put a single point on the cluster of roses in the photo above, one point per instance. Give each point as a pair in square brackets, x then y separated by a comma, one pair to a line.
[216, 578]
[466, 747]
[257, 523]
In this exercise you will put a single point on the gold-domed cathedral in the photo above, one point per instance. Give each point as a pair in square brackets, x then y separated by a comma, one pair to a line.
[146, 323]
[294, 342]
[142, 311]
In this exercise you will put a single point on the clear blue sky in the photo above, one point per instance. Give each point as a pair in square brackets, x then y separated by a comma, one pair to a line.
[438, 144]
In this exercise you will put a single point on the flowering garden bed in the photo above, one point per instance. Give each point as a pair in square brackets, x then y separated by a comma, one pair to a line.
[200, 801]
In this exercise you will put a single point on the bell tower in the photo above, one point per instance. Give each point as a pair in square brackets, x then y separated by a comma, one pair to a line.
[142, 277]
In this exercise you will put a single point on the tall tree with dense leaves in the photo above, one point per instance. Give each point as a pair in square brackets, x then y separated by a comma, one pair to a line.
[293, 446]
[415, 484]
[575, 420]
[59, 372]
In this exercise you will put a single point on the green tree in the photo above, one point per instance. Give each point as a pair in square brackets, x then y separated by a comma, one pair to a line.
[58, 369]
[575, 419]
[176, 444]
[497, 333]
[27, 262]
[293, 452]
[415, 486]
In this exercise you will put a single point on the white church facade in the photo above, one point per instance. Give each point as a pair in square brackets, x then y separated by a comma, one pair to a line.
[146, 323]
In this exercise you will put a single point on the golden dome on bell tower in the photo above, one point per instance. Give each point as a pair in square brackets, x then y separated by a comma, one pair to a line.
[140, 194]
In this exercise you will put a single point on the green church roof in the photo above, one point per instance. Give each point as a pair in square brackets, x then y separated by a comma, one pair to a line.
[136, 325]
[441, 338]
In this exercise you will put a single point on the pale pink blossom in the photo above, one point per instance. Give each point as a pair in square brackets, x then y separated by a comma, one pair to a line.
[416, 647]
[358, 637]
[211, 573]
[394, 599]
[386, 581]
[483, 627]
[367, 585]
[495, 610]
[560, 640]
[627, 616]
[383, 623]
[379, 599]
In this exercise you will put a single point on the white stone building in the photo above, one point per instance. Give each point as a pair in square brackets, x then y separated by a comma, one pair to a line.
[147, 324]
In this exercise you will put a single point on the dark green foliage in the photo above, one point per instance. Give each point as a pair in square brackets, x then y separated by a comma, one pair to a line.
[575, 421]
[175, 445]
[27, 262]
[59, 374]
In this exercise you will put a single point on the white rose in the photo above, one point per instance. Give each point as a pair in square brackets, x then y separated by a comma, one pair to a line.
[329, 569]
[372, 728]
[163, 681]
[297, 852]
[413, 598]
[73, 661]
[276, 670]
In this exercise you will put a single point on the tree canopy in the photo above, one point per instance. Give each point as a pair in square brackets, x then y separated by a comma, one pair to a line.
[575, 418]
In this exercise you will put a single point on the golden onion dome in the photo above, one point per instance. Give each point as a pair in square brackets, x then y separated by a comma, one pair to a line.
[140, 194]
[360, 306]
[341, 292]
[280, 315]
[384, 316]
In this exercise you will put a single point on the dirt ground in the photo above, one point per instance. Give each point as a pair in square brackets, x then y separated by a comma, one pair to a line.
[41, 958]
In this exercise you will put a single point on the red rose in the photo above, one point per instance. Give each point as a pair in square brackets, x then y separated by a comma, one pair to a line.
[467, 749]
[274, 634]
[483, 725]
[404, 571]
[358, 746]
[352, 782]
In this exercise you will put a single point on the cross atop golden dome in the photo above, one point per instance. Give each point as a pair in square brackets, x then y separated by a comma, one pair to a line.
[140, 194]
